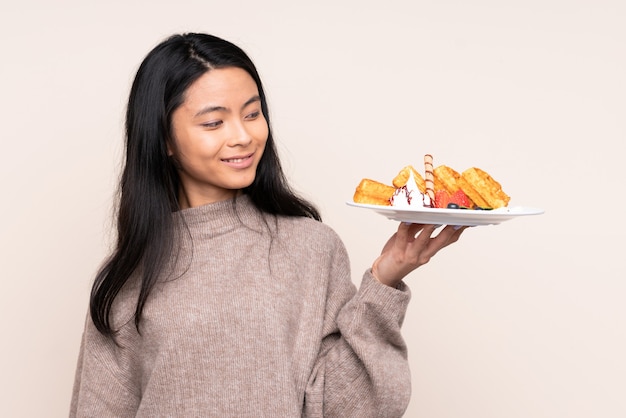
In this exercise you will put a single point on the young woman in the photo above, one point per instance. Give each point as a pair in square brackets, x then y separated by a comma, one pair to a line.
[226, 295]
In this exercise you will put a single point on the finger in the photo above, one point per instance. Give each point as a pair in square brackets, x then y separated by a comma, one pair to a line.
[457, 234]
[425, 234]
[447, 236]
[408, 231]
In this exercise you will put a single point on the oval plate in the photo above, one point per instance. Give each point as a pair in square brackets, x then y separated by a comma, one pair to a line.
[465, 217]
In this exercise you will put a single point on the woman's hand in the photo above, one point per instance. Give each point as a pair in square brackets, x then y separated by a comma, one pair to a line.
[410, 247]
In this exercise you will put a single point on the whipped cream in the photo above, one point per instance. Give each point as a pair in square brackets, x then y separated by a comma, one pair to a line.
[409, 195]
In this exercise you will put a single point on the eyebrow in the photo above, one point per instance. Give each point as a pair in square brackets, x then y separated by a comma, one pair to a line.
[209, 109]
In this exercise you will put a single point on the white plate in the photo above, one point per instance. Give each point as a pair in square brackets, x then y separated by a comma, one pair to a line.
[469, 217]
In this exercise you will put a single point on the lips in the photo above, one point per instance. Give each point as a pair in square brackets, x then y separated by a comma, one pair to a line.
[235, 160]
[239, 161]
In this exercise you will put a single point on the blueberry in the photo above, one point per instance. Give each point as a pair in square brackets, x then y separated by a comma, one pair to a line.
[453, 206]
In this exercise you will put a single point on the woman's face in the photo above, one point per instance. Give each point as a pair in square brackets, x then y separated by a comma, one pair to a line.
[219, 135]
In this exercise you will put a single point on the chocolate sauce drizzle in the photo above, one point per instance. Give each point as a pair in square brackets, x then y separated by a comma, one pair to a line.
[407, 193]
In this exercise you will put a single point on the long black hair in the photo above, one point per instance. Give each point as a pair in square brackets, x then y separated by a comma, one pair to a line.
[149, 185]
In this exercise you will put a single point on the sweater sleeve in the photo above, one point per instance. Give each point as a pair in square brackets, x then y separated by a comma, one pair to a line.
[103, 386]
[362, 370]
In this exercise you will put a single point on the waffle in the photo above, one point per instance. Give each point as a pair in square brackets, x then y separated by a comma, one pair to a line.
[372, 192]
[403, 176]
[448, 179]
[481, 186]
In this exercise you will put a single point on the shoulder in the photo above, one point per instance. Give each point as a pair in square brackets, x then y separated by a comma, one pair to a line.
[317, 254]
[316, 233]
[306, 224]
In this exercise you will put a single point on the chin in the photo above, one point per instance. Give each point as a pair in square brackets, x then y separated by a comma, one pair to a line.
[243, 184]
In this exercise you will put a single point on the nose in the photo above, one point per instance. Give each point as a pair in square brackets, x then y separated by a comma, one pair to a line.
[239, 135]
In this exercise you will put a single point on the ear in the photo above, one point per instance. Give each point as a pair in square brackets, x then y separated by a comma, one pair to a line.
[169, 146]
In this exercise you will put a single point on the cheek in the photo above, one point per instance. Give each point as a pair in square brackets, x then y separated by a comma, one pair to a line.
[193, 157]
[262, 132]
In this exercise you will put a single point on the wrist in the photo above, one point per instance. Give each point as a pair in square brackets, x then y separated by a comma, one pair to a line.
[382, 279]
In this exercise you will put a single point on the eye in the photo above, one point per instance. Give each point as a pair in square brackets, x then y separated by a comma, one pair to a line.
[212, 124]
[253, 115]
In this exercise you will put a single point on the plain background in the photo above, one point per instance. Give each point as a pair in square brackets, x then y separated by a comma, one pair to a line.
[523, 319]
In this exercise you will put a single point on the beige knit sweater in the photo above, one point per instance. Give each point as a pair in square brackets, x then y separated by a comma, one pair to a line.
[259, 319]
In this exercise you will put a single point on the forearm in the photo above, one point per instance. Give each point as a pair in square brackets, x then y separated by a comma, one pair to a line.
[364, 372]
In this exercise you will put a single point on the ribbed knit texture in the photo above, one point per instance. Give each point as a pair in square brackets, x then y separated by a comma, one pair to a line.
[257, 317]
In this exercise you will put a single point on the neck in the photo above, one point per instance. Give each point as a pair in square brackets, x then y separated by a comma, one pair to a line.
[193, 200]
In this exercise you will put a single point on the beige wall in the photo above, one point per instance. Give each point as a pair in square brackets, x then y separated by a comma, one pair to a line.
[524, 319]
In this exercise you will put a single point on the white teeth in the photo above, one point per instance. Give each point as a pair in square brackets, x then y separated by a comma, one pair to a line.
[235, 160]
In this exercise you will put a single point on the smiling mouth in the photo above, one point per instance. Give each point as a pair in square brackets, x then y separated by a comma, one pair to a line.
[237, 160]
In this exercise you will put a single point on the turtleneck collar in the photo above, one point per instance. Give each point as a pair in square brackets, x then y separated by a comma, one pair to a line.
[220, 217]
